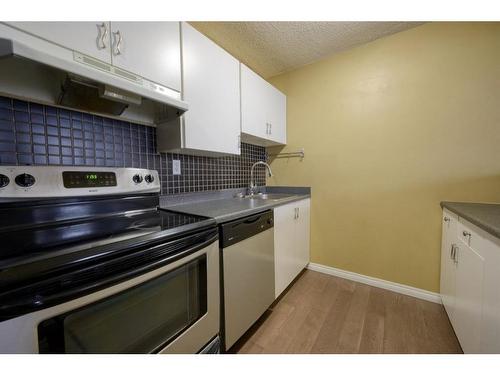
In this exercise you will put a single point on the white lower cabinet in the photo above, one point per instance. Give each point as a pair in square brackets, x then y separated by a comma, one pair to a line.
[470, 265]
[448, 268]
[490, 317]
[468, 298]
[291, 242]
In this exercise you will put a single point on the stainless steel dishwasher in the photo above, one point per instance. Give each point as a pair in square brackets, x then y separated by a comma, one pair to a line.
[247, 247]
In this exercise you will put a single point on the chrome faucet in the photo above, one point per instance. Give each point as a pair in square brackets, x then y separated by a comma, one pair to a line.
[252, 186]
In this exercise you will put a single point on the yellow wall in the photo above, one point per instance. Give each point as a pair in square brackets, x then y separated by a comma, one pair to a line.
[390, 129]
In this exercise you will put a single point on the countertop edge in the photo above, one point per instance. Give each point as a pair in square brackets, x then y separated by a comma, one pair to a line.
[234, 216]
[451, 206]
[184, 203]
[185, 206]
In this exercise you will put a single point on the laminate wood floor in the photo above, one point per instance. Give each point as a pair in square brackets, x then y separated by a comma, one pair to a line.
[326, 314]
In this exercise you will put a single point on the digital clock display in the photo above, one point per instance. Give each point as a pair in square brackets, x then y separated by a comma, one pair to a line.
[73, 179]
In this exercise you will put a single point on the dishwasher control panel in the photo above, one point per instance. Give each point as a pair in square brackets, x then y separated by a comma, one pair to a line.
[241, 229]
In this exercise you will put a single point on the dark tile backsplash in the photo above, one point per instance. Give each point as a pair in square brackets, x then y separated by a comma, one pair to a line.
[34, 134]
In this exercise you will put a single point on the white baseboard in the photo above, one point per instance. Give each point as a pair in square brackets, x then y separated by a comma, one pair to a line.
[379, 283]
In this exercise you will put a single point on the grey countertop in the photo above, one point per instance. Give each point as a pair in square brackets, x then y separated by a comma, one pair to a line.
[485, 215]
[224, 207]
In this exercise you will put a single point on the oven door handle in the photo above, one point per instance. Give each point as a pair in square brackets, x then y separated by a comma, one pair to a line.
[76, 283]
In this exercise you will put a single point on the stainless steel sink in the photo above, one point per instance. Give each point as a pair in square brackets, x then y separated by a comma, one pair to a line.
[265, 196]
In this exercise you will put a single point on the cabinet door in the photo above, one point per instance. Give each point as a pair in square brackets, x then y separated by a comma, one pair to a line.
[448, 270]
[254, 96]
[302, 231]
[90, 38]
[285, 253]
[469, 298]
[276, 115]
[490, 321]
[148, 49]
[211, 86]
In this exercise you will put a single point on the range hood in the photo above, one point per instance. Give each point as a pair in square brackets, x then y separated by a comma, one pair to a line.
[78, 81]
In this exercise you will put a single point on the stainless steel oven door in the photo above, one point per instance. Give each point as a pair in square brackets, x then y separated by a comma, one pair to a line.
[184, 296]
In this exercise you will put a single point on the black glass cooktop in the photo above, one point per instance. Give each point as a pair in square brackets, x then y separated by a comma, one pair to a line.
[33, 230]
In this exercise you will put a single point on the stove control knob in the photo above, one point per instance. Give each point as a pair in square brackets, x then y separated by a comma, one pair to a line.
[25, 180]
[137, 178]
[4, 180]
[149, 178]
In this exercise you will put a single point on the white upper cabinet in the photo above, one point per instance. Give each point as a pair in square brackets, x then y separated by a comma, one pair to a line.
[253, 107]
[263, 110]
[211, 86]
[90, 38]
[276, 115]
[148, 49]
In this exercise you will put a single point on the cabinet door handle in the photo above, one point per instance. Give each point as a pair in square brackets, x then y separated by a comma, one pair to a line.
[298, 212]
[270, 128]
[466, 234]
[446, 219]
[101, 36]
[118, 43]
[452, 251]
[267, 128]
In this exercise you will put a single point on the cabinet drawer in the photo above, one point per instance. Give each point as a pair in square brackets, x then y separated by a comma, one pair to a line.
[448, 215]
[468, 234]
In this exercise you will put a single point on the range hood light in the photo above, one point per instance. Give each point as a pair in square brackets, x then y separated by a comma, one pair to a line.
[112, 93]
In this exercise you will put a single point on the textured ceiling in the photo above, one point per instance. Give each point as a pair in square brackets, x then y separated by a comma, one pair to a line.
[272, 48]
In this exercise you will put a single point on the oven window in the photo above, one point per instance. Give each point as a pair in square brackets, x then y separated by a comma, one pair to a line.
[142, 319]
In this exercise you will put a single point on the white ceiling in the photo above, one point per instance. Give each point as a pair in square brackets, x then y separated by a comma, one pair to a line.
[271, 48]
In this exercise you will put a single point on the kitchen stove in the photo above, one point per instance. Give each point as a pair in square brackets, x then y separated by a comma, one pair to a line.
[80, 240]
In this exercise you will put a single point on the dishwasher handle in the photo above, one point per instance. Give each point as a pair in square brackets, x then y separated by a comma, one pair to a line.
[241, 229]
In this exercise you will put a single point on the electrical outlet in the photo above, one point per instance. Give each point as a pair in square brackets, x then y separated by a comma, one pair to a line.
[176, 167]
